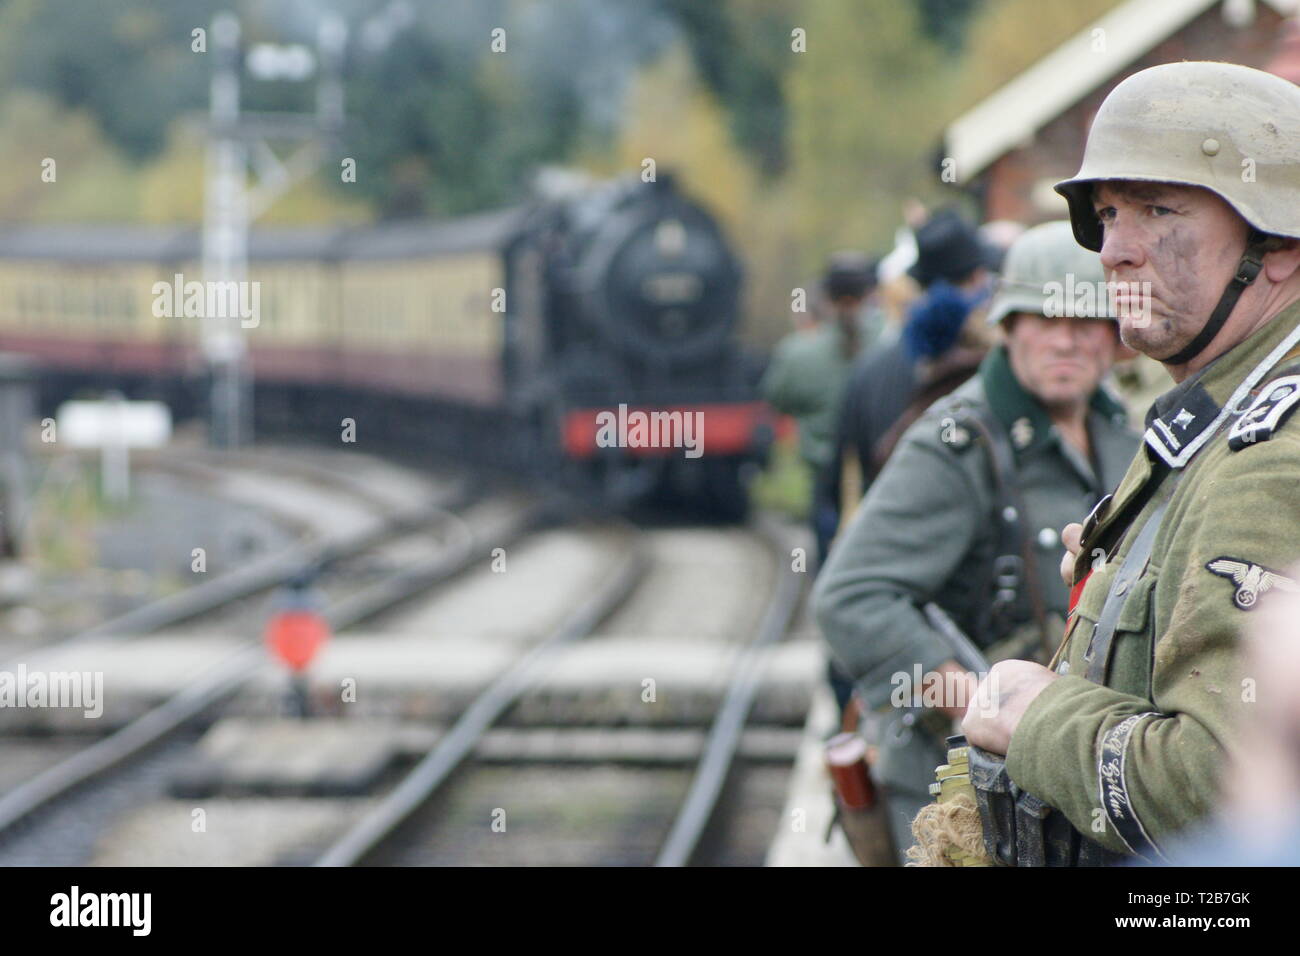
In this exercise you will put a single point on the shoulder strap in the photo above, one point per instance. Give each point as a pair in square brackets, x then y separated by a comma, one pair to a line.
[1014, 569]
[1103, 632]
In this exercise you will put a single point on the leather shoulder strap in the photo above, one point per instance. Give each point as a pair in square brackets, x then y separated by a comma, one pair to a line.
[1014, 571]
[1130, 569]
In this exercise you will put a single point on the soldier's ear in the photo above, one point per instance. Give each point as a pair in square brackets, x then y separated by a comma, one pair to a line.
[1281, 262]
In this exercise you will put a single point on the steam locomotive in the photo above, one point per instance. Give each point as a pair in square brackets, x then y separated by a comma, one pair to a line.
[590, 334]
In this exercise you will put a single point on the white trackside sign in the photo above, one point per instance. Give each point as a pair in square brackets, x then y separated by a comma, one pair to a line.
[113, 426]
[128, 424]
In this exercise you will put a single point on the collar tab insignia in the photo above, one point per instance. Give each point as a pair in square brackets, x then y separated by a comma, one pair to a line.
[1178, 434]
[1276, 402]
[1022, 433]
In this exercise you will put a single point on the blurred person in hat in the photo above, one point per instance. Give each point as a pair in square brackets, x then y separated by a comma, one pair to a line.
[940, 344]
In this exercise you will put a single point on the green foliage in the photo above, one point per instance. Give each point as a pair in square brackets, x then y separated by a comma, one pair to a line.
[800, 152]
[946, 21]
[869, 100]
[741, 50]
[128, 65]
[92, 179]
[439, 122]
[444, 130]
[785, 485]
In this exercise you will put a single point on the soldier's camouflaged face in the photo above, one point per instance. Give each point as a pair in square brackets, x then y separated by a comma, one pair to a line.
[1184, 240]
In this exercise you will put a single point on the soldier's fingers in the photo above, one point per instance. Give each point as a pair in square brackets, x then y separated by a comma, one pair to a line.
[1067, 568]
[1072, 536]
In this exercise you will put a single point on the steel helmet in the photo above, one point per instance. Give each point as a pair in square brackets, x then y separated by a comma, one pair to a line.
[1042, 268]
[1227, 128]
[1230, 129]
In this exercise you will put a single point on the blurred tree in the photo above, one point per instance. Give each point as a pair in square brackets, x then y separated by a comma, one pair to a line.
[675, 121]
[740, 48]
[1009, 36]
[868, 101]
[127, 64]
[945, 21]
[674, 118]
[441, 130]
[92, 179]
[441, 124]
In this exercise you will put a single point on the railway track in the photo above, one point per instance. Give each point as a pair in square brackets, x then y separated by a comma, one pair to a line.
[97, 765]
[380, 834]
[368, 833]
[62, 815]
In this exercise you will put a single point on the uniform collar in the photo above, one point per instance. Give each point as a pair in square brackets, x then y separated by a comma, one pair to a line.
[1182, 420]
[1023, 416]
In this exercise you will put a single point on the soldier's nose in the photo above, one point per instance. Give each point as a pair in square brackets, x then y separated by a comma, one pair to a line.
[1120, 245]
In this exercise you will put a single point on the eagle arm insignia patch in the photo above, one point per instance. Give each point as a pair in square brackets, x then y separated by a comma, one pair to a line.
[1252, 580]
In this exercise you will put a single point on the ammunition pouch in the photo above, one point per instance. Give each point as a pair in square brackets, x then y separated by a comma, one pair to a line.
[1022, 830]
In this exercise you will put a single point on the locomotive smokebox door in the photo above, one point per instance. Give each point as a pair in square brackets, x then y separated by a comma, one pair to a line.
[17, 408]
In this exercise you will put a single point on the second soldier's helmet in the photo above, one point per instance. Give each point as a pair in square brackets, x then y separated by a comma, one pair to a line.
[1230, 129]
[1045, 272]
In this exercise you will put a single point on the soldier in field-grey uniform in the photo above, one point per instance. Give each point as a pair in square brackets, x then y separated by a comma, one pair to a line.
[965, 514]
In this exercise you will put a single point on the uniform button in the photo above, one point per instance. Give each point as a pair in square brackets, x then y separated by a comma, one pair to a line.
[1063, 667]
[1122, 587]
[1048, 538]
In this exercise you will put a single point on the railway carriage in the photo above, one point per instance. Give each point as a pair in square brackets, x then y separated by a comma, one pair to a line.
[505, 335]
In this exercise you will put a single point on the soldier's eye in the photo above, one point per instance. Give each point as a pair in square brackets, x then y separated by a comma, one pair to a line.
[1160, 210]
[1106, 213]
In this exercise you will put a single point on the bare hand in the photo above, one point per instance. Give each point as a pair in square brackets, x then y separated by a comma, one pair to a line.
[1071, 537]
[963, 683]
[1003, 696]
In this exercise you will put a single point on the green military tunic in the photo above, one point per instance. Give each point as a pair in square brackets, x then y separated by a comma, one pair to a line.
[806, 379]
[1138, 755]
[926, 532]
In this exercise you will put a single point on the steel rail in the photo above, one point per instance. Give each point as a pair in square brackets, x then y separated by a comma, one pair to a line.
[227, 676]
[368, 833]
[701, 800]
[258, 576]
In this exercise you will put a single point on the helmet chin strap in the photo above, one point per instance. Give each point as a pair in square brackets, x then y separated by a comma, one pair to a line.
[1252, 260]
